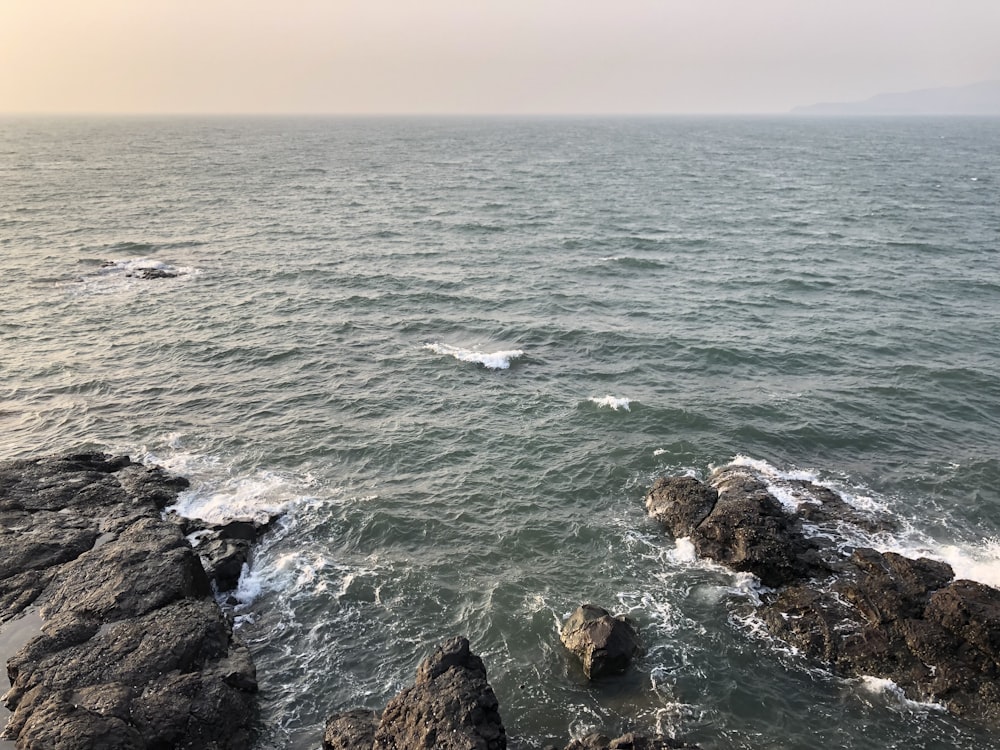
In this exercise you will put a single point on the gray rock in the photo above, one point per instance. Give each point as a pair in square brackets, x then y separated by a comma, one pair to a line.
[605, 645]
[451, 706]
[351, 730]
[133, 653]
[225, 548]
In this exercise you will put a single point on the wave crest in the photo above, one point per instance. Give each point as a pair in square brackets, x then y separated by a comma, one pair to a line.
[612, 402]
[492, 360]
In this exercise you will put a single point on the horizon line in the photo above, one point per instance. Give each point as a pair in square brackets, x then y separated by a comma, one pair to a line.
[482, 115]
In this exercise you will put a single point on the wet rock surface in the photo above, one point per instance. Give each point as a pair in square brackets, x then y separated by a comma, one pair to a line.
[738, 523]
[860, 611]
[133, 650]
[451, 706]
[605, 644]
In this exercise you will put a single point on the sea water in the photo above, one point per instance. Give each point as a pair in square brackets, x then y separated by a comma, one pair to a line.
[454, 353]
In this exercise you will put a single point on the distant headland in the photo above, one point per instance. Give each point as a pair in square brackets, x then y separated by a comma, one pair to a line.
[975, 99]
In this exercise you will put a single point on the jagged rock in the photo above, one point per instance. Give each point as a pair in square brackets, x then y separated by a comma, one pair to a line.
[605, 645]
[351, 730]
[737, 523]
[680, 503]
[870, 613]
[451, 706]
[225, 548]
[133, 652]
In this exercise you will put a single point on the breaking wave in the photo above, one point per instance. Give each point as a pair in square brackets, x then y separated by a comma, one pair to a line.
[500, 360]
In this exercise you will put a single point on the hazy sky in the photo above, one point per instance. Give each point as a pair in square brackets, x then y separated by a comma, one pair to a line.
[483, 56]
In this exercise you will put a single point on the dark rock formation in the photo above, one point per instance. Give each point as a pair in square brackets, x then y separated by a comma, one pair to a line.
[450, 707]
[859, 611]
[737, 523]
[225, 548]
[605, 645]
[133, 651]
[154, 273]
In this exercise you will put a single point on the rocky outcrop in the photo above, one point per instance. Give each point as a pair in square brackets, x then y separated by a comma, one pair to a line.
[737, 523]
[133, 650]
[605, 645]
[859, 611]
[451, 706]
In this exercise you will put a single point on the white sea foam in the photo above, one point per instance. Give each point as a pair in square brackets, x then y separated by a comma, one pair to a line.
[977, 561]
[769, 471]
[684, 550]
[888, 688]
[260, 497]
[298, 573]
[220, 493]
[499, 360]
[130, 275]
[612, 402]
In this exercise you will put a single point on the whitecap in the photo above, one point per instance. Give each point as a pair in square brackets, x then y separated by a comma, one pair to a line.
[499, 360]
[684, 550]
[611, 402]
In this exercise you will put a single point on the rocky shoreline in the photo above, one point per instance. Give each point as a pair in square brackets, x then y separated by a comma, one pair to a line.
[125, 646]
[857, 611]
[133, 651]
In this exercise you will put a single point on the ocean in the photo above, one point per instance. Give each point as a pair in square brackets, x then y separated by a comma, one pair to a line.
[453, 354]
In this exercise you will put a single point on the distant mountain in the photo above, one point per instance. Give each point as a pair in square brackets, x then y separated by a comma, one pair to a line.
[976, 99]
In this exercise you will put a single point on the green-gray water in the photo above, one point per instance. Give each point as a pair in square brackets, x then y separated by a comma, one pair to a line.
[456, 352]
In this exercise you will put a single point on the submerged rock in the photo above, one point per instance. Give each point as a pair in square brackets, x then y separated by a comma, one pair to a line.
[630, 741]
[605, 645]
[859, 611]
[133, 652]
[451, 706]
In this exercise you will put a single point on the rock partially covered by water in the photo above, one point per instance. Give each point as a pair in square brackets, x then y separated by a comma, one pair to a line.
[860, 611]
[904, 620]
[143, 268]
[605, 645]
[737, 523]
[630, 741]
[133, 651]
[451, 706]
[225, 548]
